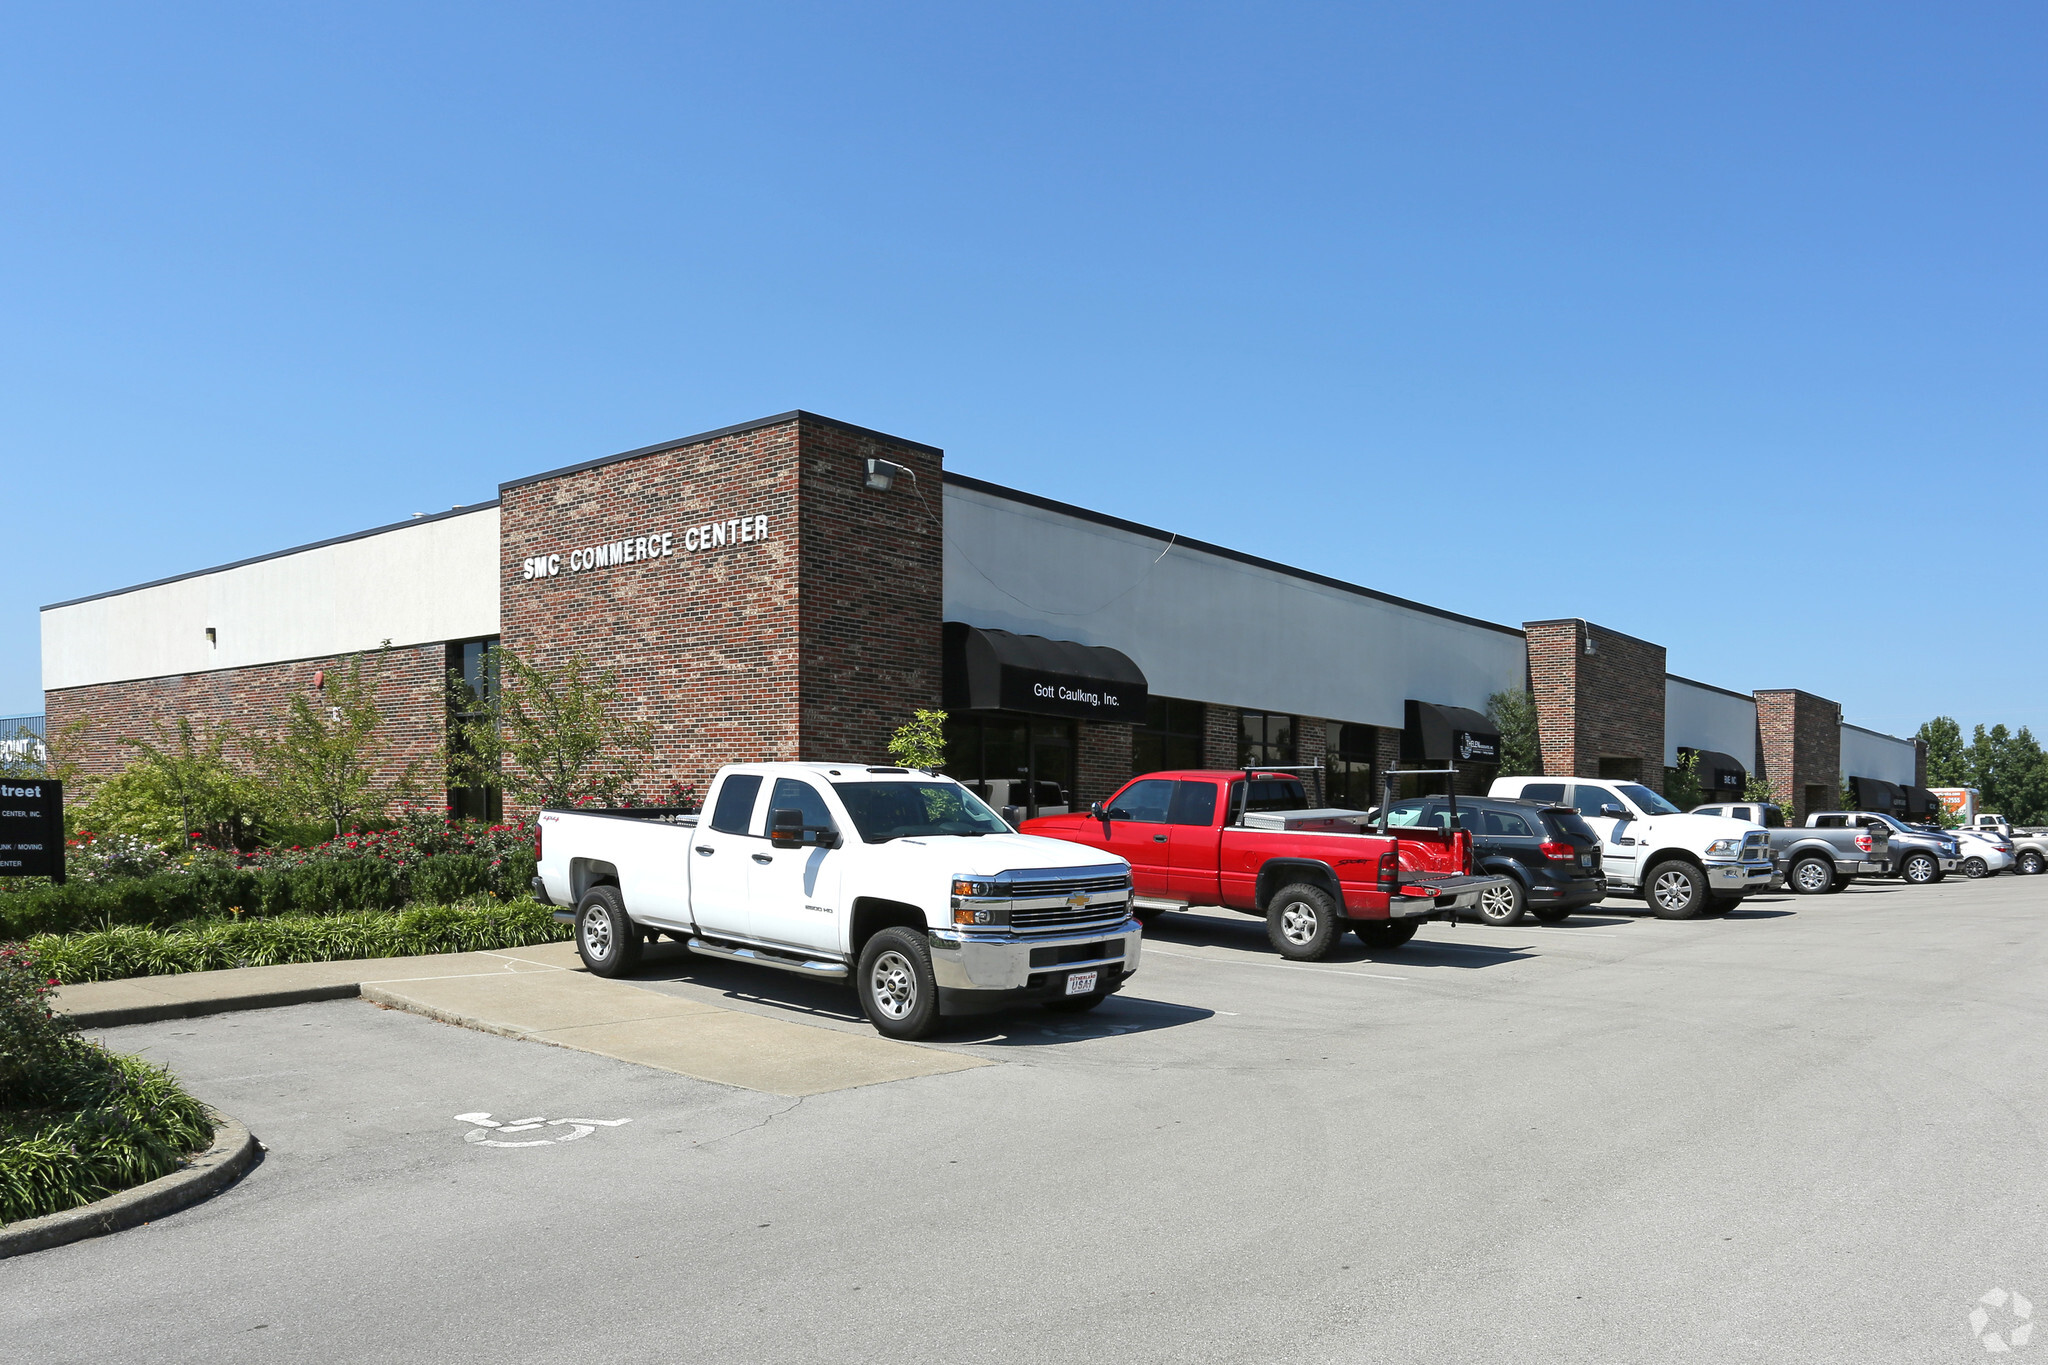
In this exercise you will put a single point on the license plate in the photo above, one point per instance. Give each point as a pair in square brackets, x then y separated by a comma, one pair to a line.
[1585, 860]
[1080, 983]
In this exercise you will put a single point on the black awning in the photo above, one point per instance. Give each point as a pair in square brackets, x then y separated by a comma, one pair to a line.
[1441, 734]
[1719, 774]
[1873, 793]
[993, 670]
[1920, 801]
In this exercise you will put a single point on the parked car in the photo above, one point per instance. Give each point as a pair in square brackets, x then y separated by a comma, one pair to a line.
[2029, 843]
[1985, 853]
[1247, 840]
[1681, 864]
[1918, 854]
[902, 879]
[1549, 857]
[1814, 861]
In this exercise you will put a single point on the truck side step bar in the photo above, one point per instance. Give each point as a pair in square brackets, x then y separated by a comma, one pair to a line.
[803, 966]
[1157, 903]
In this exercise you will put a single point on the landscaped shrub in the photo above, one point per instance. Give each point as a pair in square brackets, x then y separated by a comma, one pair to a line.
[448, 877]
[331, 887]
[78, 1123]
[129, 950]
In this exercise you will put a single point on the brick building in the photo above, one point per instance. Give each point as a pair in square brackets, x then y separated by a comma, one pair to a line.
[795, 587]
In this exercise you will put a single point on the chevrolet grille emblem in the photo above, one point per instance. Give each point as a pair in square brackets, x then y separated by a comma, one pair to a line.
[1078, 901]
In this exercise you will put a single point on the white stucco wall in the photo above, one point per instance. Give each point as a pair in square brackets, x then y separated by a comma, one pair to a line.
[1209, 628]
[1698, 717]
[1866, 753]
[411, 584]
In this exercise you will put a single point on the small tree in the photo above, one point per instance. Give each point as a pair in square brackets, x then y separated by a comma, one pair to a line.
[179, 771]
[325, 762]
[920, 742]
[1758, 790]
[547, 737]
[1682, 783]
[1514, 714]
[1947, 764]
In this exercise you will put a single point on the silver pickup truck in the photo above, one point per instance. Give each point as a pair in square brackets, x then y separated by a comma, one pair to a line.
[1813, 862]
[2029, 842]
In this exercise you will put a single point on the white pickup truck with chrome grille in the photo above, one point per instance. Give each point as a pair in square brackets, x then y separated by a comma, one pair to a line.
[901, 879]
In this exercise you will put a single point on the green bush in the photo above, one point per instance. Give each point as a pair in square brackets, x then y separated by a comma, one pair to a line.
[78, 1123]
[334, 886]
[134, 950]
[449, 877]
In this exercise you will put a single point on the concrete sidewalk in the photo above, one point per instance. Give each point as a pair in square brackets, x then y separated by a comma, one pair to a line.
[542, 994]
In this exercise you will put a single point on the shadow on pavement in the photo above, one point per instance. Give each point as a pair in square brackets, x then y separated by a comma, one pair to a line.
[1249, 935]
[1036, 1026]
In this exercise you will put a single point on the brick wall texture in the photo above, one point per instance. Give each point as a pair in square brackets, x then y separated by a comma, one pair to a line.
[794, 615]
[1608, 704]
[1102, 760]
[1799, 749]
[411, 694]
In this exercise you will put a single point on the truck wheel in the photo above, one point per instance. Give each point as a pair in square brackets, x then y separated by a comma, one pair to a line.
[898, 992]
[1302, 922]
[606, 938]
[1385, 935]
[1502, 905]
[2030, 864]
[1811, 876]
[1920, 869]
[1675, 890]
[1973, 868]
[1839, 885]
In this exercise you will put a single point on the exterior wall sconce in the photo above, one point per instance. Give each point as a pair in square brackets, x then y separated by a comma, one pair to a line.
[1591, 648]
[210, 636]
[882, 474]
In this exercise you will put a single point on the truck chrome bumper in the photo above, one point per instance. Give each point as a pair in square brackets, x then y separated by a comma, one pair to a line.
[1740, 876]
[1007, 962]
[1464, 897]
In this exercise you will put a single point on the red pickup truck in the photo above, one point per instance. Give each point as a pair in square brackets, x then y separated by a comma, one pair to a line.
[1247, 840]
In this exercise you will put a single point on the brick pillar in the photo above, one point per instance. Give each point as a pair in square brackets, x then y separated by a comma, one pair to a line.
[1219, 736]
[1799, 746]
[1920, 763]
[1103, 761]
[1599, 694]
[767, 606]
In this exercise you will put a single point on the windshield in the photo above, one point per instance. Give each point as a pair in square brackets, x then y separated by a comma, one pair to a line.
[883, 811]
[1646, 800]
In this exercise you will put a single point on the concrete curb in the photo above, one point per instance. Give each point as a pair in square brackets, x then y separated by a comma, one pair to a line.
[192, 1009]
[233, 1152]
[391, 1000]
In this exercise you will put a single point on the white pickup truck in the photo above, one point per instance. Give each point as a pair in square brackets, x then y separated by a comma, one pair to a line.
[903, 879]
[1681, 864]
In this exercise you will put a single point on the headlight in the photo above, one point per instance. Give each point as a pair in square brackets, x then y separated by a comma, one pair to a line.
[1724, 846]
[973, 914]
[963, 887]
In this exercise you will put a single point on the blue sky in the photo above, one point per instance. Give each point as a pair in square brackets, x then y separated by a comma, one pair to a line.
[1722, 326]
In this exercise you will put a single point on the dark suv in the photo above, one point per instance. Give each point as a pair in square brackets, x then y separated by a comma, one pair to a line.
[1549, 855]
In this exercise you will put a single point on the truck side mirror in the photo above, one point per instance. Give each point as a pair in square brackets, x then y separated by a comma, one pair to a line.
[1614, 812]
[786, 828]
[1012, 815]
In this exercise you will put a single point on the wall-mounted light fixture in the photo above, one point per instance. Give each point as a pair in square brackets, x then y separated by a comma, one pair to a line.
[1591, 648]
[882, 474]
[210, 636]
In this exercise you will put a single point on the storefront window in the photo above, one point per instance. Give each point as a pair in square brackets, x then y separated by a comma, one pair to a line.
[475, 663]
[1351, 753]
[1013, 760]
[1263, 737]
[1171, 736]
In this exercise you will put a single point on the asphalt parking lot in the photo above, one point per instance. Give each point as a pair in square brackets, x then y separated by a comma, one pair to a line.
[1812, 1130]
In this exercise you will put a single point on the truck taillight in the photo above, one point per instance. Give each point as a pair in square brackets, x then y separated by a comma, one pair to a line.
[1559, 853]
[536, 840]
[1390, 871]
[1465, 852]
[1863, 842]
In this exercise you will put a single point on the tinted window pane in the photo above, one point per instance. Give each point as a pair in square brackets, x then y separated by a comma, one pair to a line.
[736, 803]
[1507, 825]
[1144, 802]
[1567, 825]
[791, 794]
[1543, 791]
[1589, 800]
[1277, 793]
[1405, 814]
[1194, 803]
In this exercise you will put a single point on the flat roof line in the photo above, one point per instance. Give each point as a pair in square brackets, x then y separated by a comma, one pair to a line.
[1876, 734]
[1222, 551]
[1724, 691]
[793, 415]
[462, 511]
